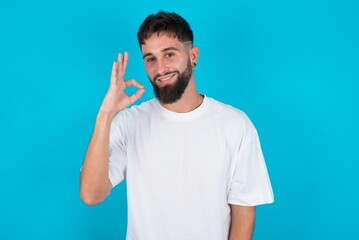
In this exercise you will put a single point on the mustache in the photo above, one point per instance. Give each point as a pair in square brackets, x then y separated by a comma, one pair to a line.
[163, 74]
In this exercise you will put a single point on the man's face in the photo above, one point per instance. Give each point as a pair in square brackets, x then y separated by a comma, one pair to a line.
[168, 66]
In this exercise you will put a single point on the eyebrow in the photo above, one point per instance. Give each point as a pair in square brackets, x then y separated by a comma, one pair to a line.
[163, 50]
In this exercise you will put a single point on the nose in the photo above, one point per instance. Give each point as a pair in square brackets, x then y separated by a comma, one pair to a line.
[160, 67]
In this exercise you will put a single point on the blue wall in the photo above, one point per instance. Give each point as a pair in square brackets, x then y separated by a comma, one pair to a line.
[292, 66]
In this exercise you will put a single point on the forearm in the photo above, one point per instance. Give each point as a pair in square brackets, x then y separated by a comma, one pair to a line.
[94, 182]
[242, 222]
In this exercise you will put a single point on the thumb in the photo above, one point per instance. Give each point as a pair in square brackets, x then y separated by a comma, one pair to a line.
[137, 95]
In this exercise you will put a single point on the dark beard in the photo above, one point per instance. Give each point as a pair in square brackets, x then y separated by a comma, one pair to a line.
[173, 92]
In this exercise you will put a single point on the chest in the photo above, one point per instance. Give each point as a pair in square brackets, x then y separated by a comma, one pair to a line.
[175, 152]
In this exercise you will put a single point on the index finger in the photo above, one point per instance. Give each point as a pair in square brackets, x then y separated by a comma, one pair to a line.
[133, 82]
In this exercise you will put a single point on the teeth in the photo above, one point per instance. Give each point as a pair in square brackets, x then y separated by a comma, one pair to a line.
[166, 78]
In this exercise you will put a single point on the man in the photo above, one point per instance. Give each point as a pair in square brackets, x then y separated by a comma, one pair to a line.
[193, 166]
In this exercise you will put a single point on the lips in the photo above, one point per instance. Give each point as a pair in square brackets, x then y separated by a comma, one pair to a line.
[165, 78]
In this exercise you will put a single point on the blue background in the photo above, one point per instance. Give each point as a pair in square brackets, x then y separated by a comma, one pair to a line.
[292, 66]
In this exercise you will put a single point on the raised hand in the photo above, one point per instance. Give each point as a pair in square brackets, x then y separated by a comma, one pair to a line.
[116, 99]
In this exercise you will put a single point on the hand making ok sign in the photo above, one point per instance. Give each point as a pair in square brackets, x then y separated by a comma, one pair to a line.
[116, 99]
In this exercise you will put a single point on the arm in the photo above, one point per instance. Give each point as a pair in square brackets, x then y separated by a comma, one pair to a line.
[242, 222]
[95, 184]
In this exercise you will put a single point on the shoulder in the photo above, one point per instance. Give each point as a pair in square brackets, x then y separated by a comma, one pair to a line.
[229, 115]
[236, 127]
[135, 113]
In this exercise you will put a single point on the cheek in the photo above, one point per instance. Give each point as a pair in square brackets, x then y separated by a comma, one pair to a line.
[176, 64]
[149, 68]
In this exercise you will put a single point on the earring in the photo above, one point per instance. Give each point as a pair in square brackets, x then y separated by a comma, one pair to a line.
[194, 66]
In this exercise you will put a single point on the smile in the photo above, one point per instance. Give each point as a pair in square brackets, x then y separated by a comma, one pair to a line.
[166, 78]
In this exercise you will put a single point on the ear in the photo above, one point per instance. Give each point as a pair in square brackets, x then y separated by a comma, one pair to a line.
[194, 53]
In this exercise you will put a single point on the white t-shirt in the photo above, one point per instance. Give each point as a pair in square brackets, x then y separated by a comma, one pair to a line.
[184, 169]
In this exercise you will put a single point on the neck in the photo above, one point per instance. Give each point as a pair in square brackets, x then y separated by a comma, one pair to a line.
[189, 101]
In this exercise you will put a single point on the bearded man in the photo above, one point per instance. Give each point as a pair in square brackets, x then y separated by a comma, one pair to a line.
[193, 166]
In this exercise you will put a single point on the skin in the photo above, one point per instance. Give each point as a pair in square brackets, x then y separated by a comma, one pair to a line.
[95, 184]
[164, 57]
[242, 222]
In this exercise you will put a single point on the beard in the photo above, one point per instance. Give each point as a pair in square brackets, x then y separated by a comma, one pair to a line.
[171, 93]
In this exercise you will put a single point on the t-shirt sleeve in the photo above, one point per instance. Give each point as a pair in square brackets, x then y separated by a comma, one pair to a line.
[250, 185]
[117, 154]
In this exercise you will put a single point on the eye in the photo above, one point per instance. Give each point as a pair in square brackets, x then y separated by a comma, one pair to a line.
[169, 54]
[150, 59]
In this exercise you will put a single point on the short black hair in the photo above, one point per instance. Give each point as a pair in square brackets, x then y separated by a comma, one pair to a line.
[165, 22]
